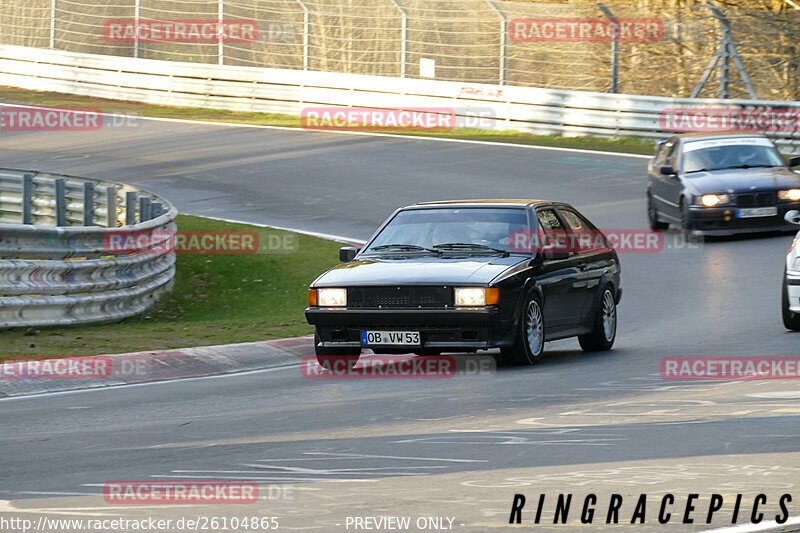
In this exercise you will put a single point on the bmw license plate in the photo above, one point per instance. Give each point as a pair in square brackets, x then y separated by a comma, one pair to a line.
[754, 212]
[392, 338]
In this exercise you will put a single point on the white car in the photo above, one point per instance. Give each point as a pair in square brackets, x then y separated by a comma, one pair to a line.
[790, 301]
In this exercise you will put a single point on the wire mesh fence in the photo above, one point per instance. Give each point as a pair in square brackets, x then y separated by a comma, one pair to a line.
[557, 46]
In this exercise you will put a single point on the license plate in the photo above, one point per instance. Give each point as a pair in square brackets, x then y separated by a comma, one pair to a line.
[757, 212]
[393, 338]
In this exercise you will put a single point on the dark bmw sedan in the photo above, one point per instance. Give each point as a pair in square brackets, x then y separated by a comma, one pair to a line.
[720, 184]
[470, 275]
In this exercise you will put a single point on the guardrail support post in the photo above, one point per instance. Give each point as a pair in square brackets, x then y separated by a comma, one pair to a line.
[145, 213]
[61, 202]
[111, 206]
[403, 37]
[156, 209]
[88, 203]
[130, 208]
[503, 41]
[614, 48]
[27, 199]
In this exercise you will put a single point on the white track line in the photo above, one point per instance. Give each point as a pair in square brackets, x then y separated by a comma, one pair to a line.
[328, 236]
[148, 383]
[363, 133]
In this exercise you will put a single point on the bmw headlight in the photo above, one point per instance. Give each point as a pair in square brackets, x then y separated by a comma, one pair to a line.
[710, 200]
[789, 194]
[477, 296]
[328, 297]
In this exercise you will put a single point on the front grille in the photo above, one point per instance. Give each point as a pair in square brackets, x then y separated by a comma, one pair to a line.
[400, 297]
[759, 199]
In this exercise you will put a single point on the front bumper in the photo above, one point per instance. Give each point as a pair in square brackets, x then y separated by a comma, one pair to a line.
[793, 286]
[440, 329]
[723, 220]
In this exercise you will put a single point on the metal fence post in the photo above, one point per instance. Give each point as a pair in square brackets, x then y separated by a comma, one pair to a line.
[53, 24]
[111, 206]
[137, 7]
[61, 202]
[144, 209]
[614, 48]
[27, 199]
[306, 29]
[727, 50]
[88, 203]
[130, 208]
[503, 41]
[403, 37]
[220, 33]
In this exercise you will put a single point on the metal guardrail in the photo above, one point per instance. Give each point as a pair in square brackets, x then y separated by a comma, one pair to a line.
[56, 266]
[535, 110]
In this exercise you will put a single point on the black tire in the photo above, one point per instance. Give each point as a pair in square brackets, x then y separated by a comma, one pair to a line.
[330, 357]
[652, 216]
[605, 324]
[791, 320]
[686, 220]
[528, 348]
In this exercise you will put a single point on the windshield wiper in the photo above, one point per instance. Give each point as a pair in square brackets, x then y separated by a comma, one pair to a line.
[405, 248]
[701, 170]
[469, 245]
[754, 166]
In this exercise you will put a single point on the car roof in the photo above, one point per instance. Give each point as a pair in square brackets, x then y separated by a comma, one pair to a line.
[704, 135]
[490, 202]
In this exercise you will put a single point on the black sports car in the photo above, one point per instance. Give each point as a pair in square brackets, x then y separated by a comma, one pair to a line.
[719, 184]
[452, 276]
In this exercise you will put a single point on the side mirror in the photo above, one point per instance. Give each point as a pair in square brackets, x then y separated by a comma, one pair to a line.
[794, 161]
[347, 253]
[667, 170]
[792, 217]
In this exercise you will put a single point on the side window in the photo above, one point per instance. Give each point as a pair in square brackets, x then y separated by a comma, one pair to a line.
[548, 220]
[572, 220]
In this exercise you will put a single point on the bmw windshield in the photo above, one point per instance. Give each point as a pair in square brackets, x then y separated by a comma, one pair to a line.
[700, 156]
[438, 230]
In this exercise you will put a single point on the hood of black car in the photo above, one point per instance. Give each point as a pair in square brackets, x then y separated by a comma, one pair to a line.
[743, 180]
[418, 270]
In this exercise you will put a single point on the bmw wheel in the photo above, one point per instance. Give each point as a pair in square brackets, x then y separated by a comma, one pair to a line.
[652, 216]
[790, 319]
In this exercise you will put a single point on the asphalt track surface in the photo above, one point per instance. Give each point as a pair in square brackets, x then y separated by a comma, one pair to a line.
[461, 447]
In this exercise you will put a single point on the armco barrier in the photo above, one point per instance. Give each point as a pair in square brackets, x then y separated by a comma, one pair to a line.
[539, 111]
[55, 268]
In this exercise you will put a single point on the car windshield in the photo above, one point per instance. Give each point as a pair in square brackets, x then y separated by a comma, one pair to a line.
[463, 230]
[701, 156]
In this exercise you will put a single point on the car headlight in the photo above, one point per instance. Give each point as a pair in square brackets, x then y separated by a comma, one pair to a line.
[328, 297]
[710, 200]
[789, 194]
[477, 296]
